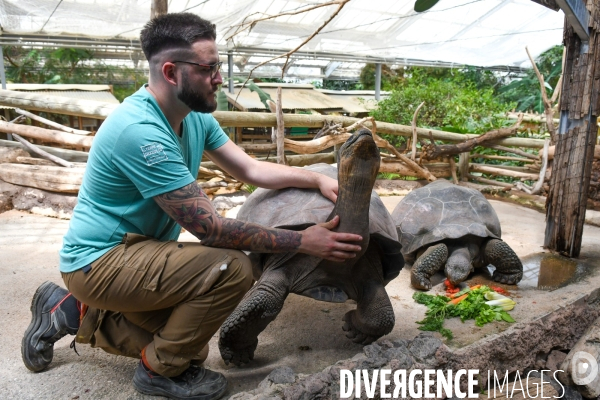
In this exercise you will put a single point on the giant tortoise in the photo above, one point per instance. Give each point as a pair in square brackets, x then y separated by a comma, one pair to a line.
[362, 278]
[446, 225]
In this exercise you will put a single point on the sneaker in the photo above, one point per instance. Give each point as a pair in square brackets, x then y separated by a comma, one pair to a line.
[195, 383]
[54, 315]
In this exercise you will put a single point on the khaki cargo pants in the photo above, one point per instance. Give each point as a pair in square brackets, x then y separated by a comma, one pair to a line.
[167, 297]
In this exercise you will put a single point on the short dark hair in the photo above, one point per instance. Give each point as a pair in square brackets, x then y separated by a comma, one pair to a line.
[178, 30]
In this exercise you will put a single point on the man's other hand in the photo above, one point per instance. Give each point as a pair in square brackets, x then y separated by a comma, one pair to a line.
[328, 188]
[320, 241]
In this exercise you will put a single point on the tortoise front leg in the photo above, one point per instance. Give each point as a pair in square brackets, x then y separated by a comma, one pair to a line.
[509, 268]
[428, 264]
[260, 306]
[373, 317]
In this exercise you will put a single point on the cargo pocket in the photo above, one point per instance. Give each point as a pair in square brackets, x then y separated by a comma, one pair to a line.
[214, 274]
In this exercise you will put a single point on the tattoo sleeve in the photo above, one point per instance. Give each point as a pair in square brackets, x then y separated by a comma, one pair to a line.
[192, 209]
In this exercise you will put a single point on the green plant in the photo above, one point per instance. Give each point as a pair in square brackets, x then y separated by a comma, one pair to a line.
[249, 188]
[452, 103]
[468, 304]
[525, 91]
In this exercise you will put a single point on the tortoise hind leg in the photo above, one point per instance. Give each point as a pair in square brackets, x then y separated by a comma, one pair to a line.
[373, 317]
[260, 306]
[509, 268]
[428, 264]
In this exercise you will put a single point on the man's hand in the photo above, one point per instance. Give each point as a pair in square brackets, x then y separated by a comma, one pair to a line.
[318, 240]
[328, 188]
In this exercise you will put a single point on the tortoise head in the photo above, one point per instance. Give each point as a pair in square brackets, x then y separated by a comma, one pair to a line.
[358, 164]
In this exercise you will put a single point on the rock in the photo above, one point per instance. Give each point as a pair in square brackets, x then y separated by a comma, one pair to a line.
[282, 375]
[226, 202]
[580, 366]
[5, 203]
[423, 348]
[555, 359]
[10, 154]
[41, 202]
[372, 351]
[403, 360]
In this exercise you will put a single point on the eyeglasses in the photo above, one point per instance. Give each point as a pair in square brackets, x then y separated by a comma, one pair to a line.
[212, 68]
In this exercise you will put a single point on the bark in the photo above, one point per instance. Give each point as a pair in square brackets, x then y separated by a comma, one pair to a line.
[433, 151]
[571, 170]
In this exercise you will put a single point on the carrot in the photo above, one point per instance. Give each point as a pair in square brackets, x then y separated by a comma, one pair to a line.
[475, 287]
[458, 299]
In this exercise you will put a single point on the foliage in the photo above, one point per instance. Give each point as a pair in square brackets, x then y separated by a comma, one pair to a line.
[67, 65]
[247, 187]
[392, 176]
[525, 90]
[472, 307]
[389, 77]
[332, 84]
[459, 101]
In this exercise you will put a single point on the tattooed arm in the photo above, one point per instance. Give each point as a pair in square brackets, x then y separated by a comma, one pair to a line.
[192, 209]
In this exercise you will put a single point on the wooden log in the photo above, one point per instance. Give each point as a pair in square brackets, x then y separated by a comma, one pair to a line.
[433, 151]
[257, 120]
[212, 184]
[99, 110]
[69, 155]
[33, 161]
[158, 8]
[35, 149]
[420, 172]
[51, 123]
[530, 117]
[55, 104]
[47, 135]
[515, 151]
[309, 147]
[506, 186]
[298, 160]
[527, 168]
[55, 179]
[502, 172]
[552, 149]
[439, 170]
[502, 158]
[463, 166]
[11, 154]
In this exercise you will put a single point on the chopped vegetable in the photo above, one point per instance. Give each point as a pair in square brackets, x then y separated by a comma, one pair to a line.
[459, 299]
[470, 303]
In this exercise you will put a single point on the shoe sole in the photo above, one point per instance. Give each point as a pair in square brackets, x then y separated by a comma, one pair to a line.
[43, 292]
[144, 388]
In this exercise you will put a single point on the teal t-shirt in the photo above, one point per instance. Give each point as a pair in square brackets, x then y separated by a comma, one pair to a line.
[135, 156]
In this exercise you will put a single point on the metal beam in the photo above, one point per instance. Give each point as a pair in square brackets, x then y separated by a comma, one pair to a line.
[332, 66]
[578, 16]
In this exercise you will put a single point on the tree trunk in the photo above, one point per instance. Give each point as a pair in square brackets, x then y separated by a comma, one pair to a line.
[570, 179]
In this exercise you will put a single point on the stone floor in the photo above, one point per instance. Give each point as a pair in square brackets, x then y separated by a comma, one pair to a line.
[307, 335]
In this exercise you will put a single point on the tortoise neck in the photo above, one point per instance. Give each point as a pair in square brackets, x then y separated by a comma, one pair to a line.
[354, 198]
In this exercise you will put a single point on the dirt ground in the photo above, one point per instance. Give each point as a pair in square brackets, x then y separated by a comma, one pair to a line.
[306, 336]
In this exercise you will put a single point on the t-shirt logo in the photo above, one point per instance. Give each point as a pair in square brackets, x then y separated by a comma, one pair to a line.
[153, 153]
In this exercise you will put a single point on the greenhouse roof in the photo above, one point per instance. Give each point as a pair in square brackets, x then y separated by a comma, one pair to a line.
[486, 33]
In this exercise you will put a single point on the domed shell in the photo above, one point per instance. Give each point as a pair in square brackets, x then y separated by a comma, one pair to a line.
[297, 209]
[442, 210]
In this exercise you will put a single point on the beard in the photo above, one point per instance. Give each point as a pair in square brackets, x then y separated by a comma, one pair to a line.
[195, 100]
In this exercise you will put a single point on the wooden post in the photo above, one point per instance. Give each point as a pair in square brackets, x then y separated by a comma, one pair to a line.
[570, 179]
[463, 166]
[158, 8]
[280, 130]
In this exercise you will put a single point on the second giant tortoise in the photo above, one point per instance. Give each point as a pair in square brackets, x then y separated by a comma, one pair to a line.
[362, 278]
[443, 225]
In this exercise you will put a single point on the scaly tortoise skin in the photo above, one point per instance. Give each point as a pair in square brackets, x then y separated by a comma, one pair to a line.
[443, 225]
[362, 278]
